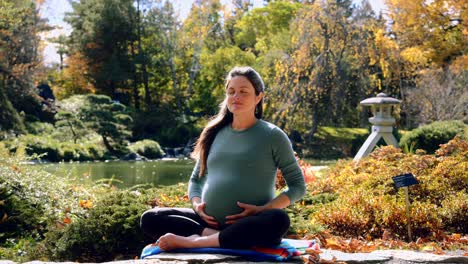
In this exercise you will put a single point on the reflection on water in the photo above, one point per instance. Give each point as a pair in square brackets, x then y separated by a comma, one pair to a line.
[125, 173]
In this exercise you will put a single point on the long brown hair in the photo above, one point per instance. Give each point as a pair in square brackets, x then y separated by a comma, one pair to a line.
[224, 117]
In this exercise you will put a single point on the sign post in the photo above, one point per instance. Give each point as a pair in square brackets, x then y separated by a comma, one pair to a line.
[404, 181]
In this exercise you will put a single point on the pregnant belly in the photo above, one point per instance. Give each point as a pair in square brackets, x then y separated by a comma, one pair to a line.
[219, 206]
[221, 199]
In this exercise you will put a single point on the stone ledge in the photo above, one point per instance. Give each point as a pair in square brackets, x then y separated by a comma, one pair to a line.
[421, 257]
[378, 256]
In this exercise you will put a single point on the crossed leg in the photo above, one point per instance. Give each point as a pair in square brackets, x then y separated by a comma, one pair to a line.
[264, 229]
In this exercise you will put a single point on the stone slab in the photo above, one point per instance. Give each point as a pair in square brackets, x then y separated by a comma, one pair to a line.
[351, 258]
[421, 257]
[378, 256]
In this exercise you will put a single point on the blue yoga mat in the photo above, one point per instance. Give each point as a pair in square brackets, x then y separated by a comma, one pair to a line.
[288, 249]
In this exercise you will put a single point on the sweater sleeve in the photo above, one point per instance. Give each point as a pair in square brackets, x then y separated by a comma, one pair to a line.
[283, 156]
[196, 182]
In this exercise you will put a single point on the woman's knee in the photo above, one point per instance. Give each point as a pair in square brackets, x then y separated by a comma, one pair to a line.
[278, 217]
[147, 218]
[151, 217]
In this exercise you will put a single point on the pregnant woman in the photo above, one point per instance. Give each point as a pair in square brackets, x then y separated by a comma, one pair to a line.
[232, 187]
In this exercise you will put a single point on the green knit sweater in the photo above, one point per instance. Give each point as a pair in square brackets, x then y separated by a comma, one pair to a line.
[242, 166]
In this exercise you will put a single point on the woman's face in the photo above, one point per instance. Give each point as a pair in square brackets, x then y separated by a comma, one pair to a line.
[241, 97]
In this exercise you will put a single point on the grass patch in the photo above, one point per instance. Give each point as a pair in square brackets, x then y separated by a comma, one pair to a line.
[334, 143]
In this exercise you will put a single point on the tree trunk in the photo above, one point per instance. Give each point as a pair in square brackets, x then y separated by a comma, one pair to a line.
[313, 130]
[112, 89]
[108, 145]
[143, 61]
[174, 83]
[136, 96]
[73, 131]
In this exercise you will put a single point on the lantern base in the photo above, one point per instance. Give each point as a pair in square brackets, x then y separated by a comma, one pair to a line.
[378, 132]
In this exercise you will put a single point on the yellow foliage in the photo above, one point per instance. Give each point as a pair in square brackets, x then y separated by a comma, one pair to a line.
[86, 204]
[73, 79]
[416, 55]
[460, 64]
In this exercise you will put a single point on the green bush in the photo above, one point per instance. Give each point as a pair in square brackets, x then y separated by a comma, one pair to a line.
[39, 128]
[32, 200]
[43, 145]
[109, 232]
[429, 137]
[51, 149]
[148, 148]
[301, 213]
[112, 226]
[91, 151]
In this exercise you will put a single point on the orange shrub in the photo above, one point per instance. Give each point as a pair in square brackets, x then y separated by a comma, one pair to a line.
[368, 204]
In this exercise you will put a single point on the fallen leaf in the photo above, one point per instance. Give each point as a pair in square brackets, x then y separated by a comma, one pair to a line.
[15, 168]
[313, 258]
[427, 248]
[333, 244]
[86, 204]
[164, 197]
[325, 261]
[438, 251]
[368, 248]
[67, 220]
[386, 235]
[421, 240]
[354, 245]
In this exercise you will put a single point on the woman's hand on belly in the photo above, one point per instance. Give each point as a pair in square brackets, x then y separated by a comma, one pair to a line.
[248, 210]
[199, 208]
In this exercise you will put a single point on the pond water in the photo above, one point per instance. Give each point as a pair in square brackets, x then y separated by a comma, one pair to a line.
[126, 174]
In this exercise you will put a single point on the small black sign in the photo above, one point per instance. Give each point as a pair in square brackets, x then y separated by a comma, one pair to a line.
[404, 180]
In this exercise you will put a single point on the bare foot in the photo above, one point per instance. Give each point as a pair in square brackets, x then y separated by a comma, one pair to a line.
[170, 241]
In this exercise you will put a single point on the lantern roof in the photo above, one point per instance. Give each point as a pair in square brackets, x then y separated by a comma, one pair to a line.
[381, 98]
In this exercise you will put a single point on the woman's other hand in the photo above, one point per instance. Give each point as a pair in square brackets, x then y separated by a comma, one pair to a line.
[249, 209]
[199, 208]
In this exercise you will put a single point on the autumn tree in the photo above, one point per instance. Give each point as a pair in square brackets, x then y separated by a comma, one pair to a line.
[102, 32]
[74, 78]
[430, 38]
[20, 26]
[429, 31]
[316, 66]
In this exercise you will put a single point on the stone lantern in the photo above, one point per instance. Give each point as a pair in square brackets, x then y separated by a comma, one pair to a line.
[381, 107]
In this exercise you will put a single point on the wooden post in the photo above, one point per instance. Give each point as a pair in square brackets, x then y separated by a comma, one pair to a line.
[408, 213]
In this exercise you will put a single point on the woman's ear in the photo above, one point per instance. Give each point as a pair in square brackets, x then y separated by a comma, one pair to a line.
[259, 97]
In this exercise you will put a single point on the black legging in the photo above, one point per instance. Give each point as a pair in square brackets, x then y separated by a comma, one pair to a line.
[264, 229]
